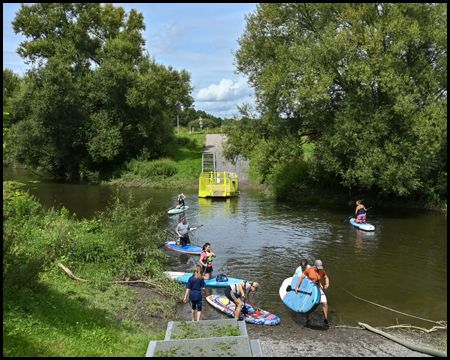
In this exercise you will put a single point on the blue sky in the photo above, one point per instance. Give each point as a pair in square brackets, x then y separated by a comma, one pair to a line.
[195, 37]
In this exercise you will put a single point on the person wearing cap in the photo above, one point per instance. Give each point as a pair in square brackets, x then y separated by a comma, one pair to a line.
[235, 291]
[316, 273]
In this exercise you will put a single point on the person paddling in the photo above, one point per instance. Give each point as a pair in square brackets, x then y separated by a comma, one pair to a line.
[316, 273]
[182, 231]
[360, 212]
[235, 291]
[206, 260]
[194, 288]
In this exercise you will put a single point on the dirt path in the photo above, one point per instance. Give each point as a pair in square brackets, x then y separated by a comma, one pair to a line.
[214, 143]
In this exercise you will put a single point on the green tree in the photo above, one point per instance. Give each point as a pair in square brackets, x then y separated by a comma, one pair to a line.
[367, 83]
[11, 84]
[93, 99]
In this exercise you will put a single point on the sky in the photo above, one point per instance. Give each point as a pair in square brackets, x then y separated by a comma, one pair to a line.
[197, 37]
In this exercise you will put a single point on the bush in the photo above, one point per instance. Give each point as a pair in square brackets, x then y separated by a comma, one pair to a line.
[162, 168]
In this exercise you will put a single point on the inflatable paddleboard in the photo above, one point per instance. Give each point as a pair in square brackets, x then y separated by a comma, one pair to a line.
[177, 211]
[184, 278]
[172, 245]
[366, 226]
[222, 303]
[306, 300]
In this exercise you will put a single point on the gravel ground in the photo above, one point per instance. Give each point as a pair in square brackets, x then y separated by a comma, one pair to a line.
[287, 341]
[221, 163]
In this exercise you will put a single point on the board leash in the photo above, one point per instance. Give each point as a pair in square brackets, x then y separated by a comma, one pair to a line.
[385, 307]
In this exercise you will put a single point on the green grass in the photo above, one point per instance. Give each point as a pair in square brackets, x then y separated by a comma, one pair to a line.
[64, 317]
[186, 158]
[46, 313]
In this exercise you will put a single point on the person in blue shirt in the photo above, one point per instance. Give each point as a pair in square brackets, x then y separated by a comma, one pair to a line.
[195, 285]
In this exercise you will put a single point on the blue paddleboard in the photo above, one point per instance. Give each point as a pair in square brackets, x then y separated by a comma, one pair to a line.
[307, 299]
[184, 277]
[366, 226]
[172, 245]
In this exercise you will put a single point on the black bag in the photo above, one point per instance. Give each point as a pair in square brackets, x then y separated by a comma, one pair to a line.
[221, 278]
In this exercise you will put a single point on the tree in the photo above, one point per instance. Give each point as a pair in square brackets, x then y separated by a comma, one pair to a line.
[11, 84]
[93, 98]
[367, 83]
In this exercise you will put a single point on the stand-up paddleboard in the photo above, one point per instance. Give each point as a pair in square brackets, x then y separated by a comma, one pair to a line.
[184, 278]
[366, 226]
[177, 211]
[306, 300]
[222, 303]
[172, 245]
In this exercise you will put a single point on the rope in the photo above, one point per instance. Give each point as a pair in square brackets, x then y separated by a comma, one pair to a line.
[442, 323]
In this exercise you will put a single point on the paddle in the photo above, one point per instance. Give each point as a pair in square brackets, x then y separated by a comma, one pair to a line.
[198, 227]
[289, 288]
[352, 216]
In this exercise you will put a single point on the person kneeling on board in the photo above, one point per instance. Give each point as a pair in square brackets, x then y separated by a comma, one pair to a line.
[235, 291]
[360, 212]
[181, 202]
[183, 232]
[316, 273]
[195, 285]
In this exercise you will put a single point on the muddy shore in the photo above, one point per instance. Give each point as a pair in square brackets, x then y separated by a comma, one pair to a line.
[341, 341]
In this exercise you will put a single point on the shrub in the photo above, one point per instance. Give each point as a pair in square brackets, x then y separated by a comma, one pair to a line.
[162, 168]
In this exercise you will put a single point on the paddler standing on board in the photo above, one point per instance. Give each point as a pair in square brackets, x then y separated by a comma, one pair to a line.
[360, 212]
[181, 203]
[316, 273]
[182, 231]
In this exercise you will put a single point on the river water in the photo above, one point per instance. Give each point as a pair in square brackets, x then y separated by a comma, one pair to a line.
[402, 265]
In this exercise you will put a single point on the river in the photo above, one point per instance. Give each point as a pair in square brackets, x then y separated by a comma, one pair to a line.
[402, 265]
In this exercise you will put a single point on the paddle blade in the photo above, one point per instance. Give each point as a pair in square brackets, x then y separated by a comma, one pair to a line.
[289, 288]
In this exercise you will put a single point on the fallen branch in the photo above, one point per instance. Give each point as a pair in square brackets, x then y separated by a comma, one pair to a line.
[152, 283]
[434, 328]
[72, 276]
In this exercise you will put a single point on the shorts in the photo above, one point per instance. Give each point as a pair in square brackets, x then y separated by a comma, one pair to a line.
[323, 297]
[197, 304]
[184, 241]
[209, 270]
[230, 294]
[362, 217]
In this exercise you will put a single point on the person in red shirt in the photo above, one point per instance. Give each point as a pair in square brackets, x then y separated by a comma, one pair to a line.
[316, 273]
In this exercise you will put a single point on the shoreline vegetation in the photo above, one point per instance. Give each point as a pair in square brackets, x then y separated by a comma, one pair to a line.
[46, 313]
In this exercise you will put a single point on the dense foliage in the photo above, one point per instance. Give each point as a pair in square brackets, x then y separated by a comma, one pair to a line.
[123, 241]
[366, 83]
[189, 117]
[93, 99]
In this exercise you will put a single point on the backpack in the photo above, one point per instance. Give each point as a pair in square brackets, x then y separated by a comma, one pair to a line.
[221, 278]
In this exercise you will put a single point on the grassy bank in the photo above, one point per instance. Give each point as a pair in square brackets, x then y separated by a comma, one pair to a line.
[182, 169]
[46, 313]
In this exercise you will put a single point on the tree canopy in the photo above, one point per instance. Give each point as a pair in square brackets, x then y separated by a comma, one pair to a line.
[365, 82]
[93, 97]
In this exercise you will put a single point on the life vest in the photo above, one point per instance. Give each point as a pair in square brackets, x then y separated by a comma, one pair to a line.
[209, 259]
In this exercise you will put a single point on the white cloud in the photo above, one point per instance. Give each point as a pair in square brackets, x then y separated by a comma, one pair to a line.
[225, 91]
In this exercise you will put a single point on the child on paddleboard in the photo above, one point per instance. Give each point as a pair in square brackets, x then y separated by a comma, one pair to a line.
[360, 212]
[194, 288]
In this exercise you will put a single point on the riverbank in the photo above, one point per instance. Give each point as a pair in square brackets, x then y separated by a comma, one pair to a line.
[290, 341]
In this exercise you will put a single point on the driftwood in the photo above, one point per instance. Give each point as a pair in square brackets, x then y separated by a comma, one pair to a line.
[405, 326]
[72, 276]
[152, 283]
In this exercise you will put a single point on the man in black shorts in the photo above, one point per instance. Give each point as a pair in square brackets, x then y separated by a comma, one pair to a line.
[183, 232]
